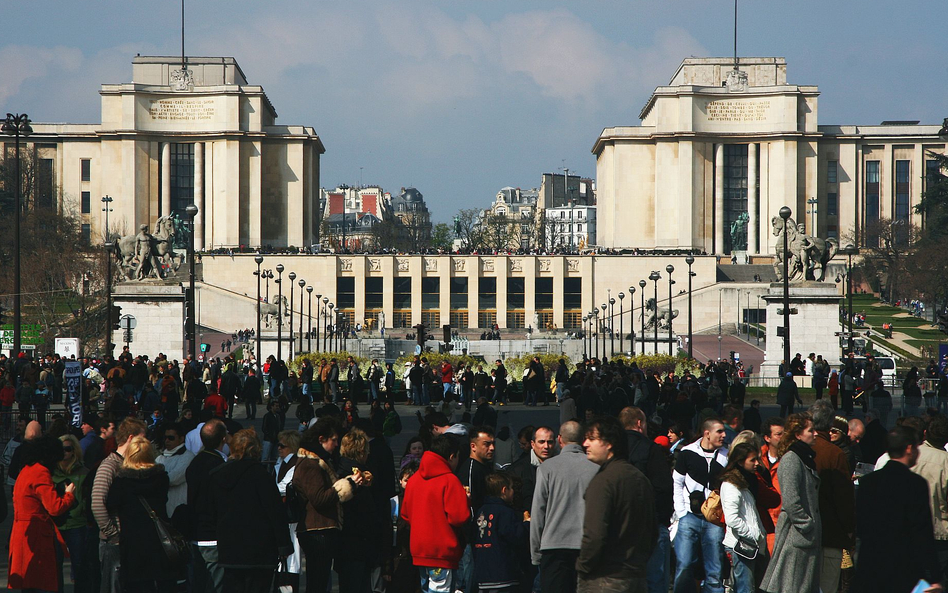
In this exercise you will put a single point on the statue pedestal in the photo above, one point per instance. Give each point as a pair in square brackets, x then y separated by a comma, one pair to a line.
[158, 309]
[812, 329]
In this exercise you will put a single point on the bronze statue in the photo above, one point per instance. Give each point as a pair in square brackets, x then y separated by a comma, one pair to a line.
[808, 255]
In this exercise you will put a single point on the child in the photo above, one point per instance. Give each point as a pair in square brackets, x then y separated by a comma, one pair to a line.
[499, 533]
[404, 572]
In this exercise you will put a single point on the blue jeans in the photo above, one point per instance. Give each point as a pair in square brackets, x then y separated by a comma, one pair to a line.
[437, 580]
[417, 395]
[694, 535]
[373, 391]
[425, 396]
[656, 571]
[743, 573]
[446, 389]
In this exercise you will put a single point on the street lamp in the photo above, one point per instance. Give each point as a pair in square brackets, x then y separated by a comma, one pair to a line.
[612, 323]
[655, 277]
[596, 324]
[585, 336]
[109, 246]
[335, 329]
[757, 321]
[302, 283]
[850, 250]
[267, 275]
[690, 260]
[318, 309]
[107, 207]
[671, 312]
[191, 323]
[16, 125]
[258, 260]
[642, 293]
[785, 213]
[292, 277]
[632, 319]
[602, 329]
[279, 283]
[812, 203]
[309, 333]
[621, 324]
[326, 324]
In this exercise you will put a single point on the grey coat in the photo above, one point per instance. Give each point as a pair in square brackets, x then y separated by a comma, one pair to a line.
[797, 543]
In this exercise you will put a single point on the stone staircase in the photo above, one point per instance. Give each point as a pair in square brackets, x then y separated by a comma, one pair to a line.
[746, 273]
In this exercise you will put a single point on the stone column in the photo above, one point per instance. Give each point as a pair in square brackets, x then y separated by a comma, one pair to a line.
[165, 179]
[752, 248]
[199, 195]
[719, 199]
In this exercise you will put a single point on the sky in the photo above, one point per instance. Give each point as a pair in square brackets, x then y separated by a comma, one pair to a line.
[462, 98]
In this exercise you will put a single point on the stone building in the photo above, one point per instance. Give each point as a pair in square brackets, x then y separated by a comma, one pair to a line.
[717, 147]
[174, 136]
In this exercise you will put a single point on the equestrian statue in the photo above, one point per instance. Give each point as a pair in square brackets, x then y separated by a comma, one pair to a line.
[149, 255]
[808, 255]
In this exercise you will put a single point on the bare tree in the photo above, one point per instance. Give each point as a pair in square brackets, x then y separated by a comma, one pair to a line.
[889, 244]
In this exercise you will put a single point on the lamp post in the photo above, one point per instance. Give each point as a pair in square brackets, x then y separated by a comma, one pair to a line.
[602, 328]
[612, 323]
[632, 319]
[596, 323]
[785, 213]
[757, 321]
[258, 260]
[109, 246]
[318, 309]
[655, 277]
[621, 321]
[642, 288]
[107, 207]
[671, 312]
[279, 283]
[850, 250]
[268, 275]
[690, 260]
[301, 283]
[309, 333]
[191, 210]
[325, 324]
[17, 125]
[335, 329]
[292, 277]
[812, 203]
[585, 336]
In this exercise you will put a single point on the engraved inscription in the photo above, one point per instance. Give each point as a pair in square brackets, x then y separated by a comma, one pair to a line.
[183, 109]
[729, 110]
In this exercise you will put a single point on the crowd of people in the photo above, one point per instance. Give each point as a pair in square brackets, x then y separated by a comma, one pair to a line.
[649, 482]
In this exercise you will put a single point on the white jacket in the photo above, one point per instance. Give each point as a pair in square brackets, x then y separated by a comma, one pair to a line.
[176, 462]
[741, 517]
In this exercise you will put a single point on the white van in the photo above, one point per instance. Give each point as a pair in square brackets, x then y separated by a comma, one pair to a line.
[886, 363]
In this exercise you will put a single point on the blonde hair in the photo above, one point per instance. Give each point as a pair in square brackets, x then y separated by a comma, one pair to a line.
[76, 453]
[245, 445]
[355, 446]
[746, 436]
[139, 454]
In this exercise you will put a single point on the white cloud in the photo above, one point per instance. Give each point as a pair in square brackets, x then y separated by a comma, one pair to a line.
[19, 63]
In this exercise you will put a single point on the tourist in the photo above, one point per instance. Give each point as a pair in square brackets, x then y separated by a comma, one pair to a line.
[78, 536]
[745, 536]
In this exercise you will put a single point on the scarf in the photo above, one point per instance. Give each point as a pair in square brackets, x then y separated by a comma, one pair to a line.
[806, 454]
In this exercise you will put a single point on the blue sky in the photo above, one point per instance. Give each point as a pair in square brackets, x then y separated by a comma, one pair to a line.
[462, 98]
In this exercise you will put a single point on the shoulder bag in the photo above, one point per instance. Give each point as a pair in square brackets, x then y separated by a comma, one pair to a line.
[177, 550]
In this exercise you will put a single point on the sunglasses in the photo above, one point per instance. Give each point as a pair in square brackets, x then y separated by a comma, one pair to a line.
[281, 446]
[170, 437]
[836, 431]
[67, 449]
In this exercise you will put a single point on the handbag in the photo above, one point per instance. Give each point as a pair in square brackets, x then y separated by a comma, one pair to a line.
[283, 580]
[177, 550]
[745, 550]
[712, 510]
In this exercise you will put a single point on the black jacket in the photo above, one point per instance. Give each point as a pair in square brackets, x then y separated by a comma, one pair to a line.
[650, 459]
[202, 517]
[523, 469]
[898, 544]
[243, 488]
[142, 555]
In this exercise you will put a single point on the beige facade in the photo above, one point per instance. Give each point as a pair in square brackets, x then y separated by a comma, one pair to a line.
[167, 141]
[707, 151]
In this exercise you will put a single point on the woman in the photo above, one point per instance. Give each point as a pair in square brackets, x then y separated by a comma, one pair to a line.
[33, 546]
[248, 549]
[144, 564]
[350, 413]
[362, 530]
[839, 436]
[323, 493]
[797, 550]
[766, 495]
[745, 535]
[74, 527]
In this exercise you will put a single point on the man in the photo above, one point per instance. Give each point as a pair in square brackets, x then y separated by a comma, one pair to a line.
[650, 458]
[619, 519]
[500, 382]
[473, 473]
[109, 527]
[230, 386]
[534, 383]
[416, 376]
[752, 419]
[332, 379]
[787, 393]
[525, 468]
[381, 463]
[208, 574]
[147, 262]
[733, 419]
[93, 444]
[176, 458]
[836, 496]
[251, 393]
[556, 516]
[696, 470]
[446, 371]
[872, 443]
[895, 523]
[435, 507]
[374, 378]
[772, 432]
[797, 367]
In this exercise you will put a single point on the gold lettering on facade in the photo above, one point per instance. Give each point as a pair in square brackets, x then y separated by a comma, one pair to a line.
[182, 109]
[733, 111]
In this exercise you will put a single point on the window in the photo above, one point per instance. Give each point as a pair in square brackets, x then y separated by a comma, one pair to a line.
[902, 190]
[431, 319]
[515, 320]
[86, 233]
[932, 172]
[86, 202]
[487, 294]
[459, 294]
[832, 171]
[872, 200]
[401, 319]
[459, 319]
[572, 319]
[832, 203]
[543, 298]
[374, 295]
[44, 183]
[579, 214]
[572, 294]
[345, 293]
[735, 187]
[85, 170]
[402, 294]
[486, 319]
[515, 290]
[431, 293]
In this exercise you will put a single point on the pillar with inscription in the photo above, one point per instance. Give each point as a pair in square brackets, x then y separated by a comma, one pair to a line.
[165, 179]
[719, 199]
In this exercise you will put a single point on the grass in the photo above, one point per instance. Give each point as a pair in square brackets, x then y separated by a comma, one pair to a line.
[924, 334]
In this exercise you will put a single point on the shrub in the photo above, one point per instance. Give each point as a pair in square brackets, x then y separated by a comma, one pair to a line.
[660, 363]
[517, 364]
[314, 357]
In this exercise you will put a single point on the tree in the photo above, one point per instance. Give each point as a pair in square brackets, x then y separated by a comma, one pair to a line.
[470, 229]
[441, 237]
[934, 203]
[889, 244]
[925, 273]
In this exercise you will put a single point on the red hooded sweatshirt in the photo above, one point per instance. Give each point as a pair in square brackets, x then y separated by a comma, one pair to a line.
[435, 507]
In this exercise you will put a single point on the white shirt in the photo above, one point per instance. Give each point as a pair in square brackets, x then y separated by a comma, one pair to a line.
[193, 442]
[282, 484]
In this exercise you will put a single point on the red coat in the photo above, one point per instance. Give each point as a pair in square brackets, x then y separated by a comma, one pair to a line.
[435, 507]
[217, 403]
[33, 539]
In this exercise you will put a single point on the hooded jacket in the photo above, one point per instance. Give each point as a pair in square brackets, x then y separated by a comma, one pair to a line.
[435, 507]
[243, 488]
[316, 482]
